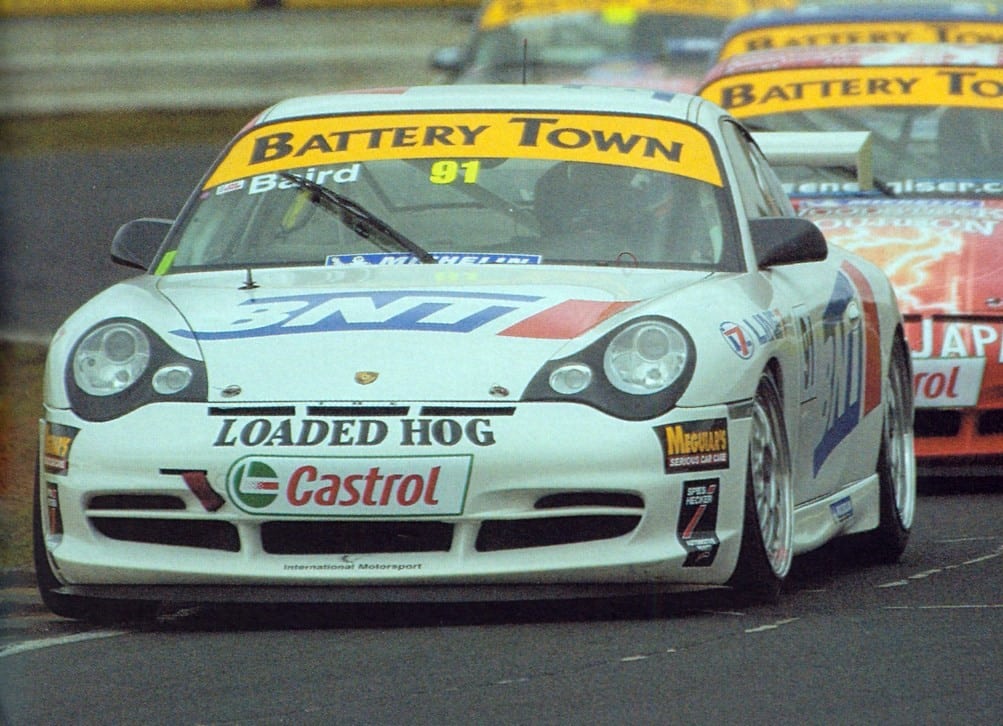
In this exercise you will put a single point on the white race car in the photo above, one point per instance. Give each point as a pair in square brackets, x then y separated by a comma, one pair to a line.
[466, 343]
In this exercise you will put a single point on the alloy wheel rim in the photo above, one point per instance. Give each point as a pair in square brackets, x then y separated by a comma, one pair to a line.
[770, 485]
[898, 445]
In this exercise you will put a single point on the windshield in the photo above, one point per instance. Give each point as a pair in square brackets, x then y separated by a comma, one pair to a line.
[554, 202]
[935, 128]
[930, 150]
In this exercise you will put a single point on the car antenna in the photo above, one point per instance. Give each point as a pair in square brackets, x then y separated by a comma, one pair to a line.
[525, 58]
[249, 283]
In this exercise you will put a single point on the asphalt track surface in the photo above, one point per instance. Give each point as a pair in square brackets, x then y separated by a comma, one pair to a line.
[918, 642]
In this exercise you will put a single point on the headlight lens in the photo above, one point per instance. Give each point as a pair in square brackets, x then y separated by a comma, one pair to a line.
[110, 359]
[645, 357]
[121, 364]
[172, 379]
[635, 372]
[571, 379]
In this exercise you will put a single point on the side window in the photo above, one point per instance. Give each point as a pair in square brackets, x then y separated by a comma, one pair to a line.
[772, 188]
[762, 195]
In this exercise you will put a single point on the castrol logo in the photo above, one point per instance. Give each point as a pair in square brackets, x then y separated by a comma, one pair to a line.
[947, 382]
[350, 486]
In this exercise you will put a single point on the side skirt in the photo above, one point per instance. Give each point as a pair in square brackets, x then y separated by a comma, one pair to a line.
[854, 508]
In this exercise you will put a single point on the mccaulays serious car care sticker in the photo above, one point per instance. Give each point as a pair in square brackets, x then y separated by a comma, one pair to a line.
[694, 445]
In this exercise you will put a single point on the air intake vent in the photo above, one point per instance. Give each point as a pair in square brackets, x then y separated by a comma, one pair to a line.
[931, 422]
[136, 502]
[331, 538]
[606, 500]
[991, 422]
[516, 534]
[176, 532]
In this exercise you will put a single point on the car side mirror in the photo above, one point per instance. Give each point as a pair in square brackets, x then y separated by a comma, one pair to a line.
[135, 244]
[787, 241]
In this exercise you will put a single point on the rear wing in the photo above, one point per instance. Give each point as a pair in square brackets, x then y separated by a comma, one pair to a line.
[843, 149]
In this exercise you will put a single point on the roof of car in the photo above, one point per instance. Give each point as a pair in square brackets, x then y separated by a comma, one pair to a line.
[859, 55]
[863, 12]
[863, 23]
[494, 97]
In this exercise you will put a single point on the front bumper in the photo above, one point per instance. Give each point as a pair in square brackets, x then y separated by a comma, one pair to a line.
[958, 442]
[545, 497]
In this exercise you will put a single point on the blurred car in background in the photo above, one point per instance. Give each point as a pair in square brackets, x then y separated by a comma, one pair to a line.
[845, 23]
[663, 44]
[467, 343]
[933, 219]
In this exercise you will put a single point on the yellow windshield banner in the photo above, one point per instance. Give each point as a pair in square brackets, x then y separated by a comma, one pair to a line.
[503, 12]
[636, 141]
[899, 31]
[809, 89]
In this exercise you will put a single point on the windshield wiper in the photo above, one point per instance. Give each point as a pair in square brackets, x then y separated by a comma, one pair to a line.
[357, 218]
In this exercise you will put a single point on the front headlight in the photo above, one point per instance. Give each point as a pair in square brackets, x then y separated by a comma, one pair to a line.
[110, 359]
[645, 357]
[635, 372]
[120, 365]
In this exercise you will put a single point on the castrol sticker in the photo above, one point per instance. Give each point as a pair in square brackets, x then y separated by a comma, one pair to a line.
[350, 486]
[947, 382]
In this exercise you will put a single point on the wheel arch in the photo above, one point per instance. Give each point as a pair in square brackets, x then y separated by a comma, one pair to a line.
[899, 340]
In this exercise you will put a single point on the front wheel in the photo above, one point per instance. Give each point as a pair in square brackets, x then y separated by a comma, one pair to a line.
[768, 529]
[896, 465]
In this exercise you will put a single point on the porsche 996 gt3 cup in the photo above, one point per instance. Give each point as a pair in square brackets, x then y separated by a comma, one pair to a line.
[466, 343]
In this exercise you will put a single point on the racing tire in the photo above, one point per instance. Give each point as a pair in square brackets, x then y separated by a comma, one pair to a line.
[94, 610]
[768, 526]
[896, 467]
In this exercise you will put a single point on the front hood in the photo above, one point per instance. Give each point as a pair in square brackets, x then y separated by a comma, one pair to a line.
[421, 332]
[943, 256]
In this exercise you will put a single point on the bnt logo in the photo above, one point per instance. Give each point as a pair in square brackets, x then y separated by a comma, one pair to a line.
[255, 483]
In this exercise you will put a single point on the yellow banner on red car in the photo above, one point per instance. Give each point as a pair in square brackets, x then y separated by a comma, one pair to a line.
[808, 89]
[635, 141]
[796, 35]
